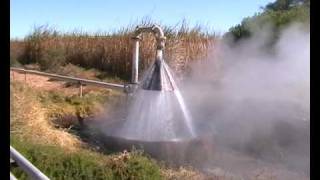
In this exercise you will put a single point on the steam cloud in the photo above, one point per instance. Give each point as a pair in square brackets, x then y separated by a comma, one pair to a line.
[253, 101]
[256, 100]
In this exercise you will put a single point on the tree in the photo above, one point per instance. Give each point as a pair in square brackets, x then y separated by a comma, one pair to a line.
[279, 13]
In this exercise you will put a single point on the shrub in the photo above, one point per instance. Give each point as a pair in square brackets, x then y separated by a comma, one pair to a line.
[84, 164]
[279, 14]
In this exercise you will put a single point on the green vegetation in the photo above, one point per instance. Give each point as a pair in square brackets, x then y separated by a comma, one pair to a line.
[38, 127]
[109, 52]
[51, 145]
[278, 15]
[89, 104]
[84, 164]
[62, 162]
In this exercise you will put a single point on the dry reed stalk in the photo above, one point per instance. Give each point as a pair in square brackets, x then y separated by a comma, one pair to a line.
[30, 119]
[112, 52]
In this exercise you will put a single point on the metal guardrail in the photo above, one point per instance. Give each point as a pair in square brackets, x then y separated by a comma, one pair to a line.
[71, 79]
[12, 177]
[29, 168]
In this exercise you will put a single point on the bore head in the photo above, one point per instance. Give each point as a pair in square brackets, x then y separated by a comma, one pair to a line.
[158, 78]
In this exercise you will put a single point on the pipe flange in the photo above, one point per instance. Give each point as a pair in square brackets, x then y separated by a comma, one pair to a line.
[130, 88]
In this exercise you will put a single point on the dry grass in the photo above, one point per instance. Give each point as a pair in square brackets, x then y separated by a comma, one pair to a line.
[31, 127]
[186, 173]
[29, 121]
[42, 83]
[32, 110]
[111, 52]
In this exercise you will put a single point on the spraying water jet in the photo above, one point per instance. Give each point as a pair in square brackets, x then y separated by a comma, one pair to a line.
[157, 120]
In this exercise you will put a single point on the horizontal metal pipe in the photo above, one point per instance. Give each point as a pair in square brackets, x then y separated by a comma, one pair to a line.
[30, 169]
[71, 79]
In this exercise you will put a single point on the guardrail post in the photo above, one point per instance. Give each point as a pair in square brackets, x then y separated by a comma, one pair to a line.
[80, 89]
[25, 76]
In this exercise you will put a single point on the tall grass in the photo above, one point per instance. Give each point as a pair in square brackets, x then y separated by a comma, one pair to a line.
[112, 51]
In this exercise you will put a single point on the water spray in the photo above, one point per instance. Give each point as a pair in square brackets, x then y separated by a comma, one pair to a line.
[238, 123]
[157, 118]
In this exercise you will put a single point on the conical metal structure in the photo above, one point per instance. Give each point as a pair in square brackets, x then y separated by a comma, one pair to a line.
[158, 78]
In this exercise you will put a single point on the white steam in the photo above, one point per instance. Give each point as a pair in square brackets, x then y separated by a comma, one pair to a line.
[255, 99]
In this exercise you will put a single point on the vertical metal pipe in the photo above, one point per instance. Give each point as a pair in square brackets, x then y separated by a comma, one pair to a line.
[159, 54]
[135, 60]
[158, 32]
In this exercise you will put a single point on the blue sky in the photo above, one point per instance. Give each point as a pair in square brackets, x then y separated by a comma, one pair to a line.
[108, 15]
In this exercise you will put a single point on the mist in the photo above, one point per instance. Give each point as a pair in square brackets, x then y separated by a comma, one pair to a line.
[255, 100]
[249, 104]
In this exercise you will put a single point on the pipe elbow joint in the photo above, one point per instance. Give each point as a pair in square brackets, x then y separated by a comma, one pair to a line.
[158, 31]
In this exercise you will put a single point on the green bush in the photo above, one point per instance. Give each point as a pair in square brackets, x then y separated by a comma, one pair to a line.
[134, 166]
[84, 164]
[57, 164]
[278, 14]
